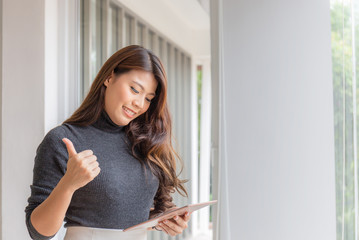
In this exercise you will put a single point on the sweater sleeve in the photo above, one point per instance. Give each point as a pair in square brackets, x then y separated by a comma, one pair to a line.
[49, 167]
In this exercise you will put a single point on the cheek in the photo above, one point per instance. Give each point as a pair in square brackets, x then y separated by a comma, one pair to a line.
[127, 95]
[146, 108]
[122, 97]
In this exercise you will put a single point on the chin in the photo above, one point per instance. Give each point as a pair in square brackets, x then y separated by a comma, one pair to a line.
[122, 122]
[119, 121]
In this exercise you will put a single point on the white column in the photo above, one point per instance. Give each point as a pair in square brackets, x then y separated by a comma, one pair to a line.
[276, 119]
[23, 65]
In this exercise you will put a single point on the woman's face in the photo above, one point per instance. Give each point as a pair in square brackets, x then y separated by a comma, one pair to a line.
[129, 96]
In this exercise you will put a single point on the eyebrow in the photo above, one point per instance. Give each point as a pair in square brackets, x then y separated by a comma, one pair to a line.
[142, 87]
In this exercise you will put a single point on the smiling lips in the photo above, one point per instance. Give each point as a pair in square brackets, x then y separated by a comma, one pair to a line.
[129, 112]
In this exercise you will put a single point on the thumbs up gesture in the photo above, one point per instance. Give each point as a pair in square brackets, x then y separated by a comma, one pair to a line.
[82, 167]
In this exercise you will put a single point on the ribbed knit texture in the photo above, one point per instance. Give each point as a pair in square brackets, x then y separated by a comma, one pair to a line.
[119, 197]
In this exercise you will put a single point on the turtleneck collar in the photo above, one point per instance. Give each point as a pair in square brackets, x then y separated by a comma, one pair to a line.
[105, 123]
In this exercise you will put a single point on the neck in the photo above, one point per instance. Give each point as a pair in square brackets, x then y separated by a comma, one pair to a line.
[104, 122]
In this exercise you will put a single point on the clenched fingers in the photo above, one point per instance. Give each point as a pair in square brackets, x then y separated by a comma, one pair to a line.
[176, 225]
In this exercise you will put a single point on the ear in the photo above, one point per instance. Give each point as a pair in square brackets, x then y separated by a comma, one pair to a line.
[106, 82]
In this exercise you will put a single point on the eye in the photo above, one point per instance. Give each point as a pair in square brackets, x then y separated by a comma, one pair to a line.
[133, 89]
[148, 100]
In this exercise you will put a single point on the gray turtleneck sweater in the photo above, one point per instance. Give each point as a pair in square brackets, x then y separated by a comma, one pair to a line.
[117, 198]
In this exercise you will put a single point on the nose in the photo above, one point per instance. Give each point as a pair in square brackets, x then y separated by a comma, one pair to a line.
[139, 102]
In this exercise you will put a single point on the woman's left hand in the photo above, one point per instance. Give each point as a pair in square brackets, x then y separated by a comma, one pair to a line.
[175, 225]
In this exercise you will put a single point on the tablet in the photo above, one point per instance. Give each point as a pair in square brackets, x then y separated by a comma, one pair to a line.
[170, 214]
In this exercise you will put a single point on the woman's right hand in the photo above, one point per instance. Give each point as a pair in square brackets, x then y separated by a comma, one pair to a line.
[82, 167]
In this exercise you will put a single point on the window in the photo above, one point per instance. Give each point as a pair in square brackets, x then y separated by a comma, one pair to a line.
[108, 26]
[344, 51]
[128, 30]
[151, 40]
[115, 28]
[141, 34]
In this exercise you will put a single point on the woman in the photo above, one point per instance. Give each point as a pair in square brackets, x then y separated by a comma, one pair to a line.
[105, 167]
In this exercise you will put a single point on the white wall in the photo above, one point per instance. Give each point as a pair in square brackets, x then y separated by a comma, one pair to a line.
[1, 34]
[278, 120]
[22, 107]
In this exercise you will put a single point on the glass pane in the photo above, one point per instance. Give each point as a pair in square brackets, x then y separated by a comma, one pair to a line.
[140, 35]
[160, 48]
[344, 83]
[169, 67]
[176, 81]
[151, 40]
[128, 30]
[96, 39]
[114, 29]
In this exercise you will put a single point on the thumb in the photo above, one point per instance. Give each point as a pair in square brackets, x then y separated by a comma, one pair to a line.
[70, 147]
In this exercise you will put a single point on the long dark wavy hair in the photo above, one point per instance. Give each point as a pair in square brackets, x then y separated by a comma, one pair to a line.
[150, 134]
